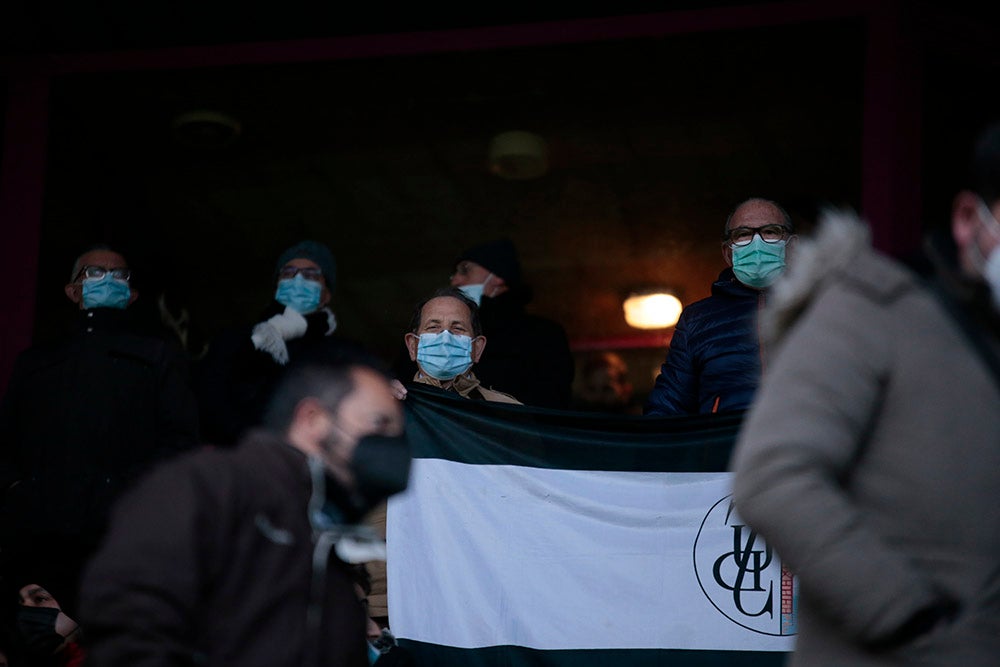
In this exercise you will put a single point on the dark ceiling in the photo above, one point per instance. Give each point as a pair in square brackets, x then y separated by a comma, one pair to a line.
[60, 26]
[652, 140]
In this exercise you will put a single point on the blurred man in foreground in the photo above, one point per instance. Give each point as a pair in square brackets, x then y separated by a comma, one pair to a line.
[240, 556]
[869, 460]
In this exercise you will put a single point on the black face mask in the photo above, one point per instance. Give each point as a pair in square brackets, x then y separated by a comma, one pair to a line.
[37, 626]
[381, 467]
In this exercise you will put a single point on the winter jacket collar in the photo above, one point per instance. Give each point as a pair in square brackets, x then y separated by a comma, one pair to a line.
[728, 287]
[468, 385]
[504, 309]
[463, 385]
[103, 319]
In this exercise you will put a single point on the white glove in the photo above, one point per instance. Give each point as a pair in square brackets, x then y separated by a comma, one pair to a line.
[290, 324]
[270, 336]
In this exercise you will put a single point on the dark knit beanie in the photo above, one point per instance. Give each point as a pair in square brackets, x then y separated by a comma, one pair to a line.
[499, 257]
[313, 251]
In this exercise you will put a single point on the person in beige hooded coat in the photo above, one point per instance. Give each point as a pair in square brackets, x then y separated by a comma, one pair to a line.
[870, 458]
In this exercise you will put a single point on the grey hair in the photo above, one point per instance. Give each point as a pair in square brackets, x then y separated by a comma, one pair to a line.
[454, 293]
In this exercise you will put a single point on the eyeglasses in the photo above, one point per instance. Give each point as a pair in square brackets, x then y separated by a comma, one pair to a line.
[98, 272]
[309, 273]
[462, 269]
[741, 236]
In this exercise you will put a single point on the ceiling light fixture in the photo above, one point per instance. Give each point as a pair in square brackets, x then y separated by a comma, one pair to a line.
[205, 129]
[652, 309]
[518, 156]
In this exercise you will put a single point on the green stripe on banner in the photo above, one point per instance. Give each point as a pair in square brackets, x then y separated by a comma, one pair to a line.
[439, 424]
[516, 656]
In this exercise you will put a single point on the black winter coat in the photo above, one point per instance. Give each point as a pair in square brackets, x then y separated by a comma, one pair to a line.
[714, 360]
[235, 380]
[526, 356]
[83, 417]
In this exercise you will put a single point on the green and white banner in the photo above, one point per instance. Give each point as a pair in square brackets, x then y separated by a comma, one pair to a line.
[531, 537]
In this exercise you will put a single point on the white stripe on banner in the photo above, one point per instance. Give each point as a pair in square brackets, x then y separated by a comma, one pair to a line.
[487, 555]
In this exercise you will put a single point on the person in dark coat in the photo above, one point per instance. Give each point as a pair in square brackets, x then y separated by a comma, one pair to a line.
[82, 419]
[245, 555]
[244, 364]
[528, 356]
[715, 359]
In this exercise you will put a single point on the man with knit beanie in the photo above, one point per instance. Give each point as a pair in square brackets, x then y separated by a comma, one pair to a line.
[528, 355]
[244, 364]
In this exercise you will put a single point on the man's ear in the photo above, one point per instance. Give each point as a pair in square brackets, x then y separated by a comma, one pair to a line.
[790, 247]
[133, 295]
[478, 345]
[496, 287]
[308, 425]
[74, 293]
[307, 411]
[412, 340]
[964, 218]
[727, 254]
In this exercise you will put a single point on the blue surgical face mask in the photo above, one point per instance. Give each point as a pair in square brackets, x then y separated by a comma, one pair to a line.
[373, 654]
[758, 264]
[475, 292]
[444, 355]
[105, 292]
[299, 294]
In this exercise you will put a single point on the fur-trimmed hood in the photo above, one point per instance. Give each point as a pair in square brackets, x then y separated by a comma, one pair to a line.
[839, 239]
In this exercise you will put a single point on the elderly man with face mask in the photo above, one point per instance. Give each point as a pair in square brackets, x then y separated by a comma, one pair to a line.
[245, 555]
[83, 417]
[445, 341]
[529, 355]
[869, 460]
[714, 361]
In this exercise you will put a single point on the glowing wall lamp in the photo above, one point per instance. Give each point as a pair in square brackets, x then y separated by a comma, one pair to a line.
[652, 309]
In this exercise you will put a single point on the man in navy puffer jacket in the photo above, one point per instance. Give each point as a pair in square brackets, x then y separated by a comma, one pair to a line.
[714, 361]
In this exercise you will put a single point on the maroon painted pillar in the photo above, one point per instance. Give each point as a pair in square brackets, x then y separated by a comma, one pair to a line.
[22, 174]
[891, 147]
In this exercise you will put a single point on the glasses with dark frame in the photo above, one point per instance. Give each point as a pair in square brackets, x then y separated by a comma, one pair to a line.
[308, 272]
[98, 272]
[741, 236]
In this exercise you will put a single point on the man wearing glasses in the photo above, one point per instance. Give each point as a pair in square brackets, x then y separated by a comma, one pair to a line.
[245, 362]
[82, 418]
[715, 359]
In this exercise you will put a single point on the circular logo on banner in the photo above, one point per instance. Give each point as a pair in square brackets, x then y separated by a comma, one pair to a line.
[741, 576]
